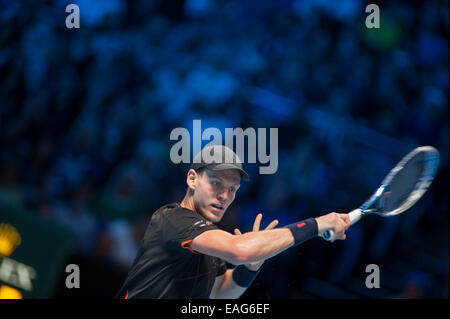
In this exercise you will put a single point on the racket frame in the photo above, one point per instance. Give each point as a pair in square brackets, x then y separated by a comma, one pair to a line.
[431, 165]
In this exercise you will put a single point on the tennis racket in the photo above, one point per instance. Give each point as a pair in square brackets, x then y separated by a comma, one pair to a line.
[401, 188]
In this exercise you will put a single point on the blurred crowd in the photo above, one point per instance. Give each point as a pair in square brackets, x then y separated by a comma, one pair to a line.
[86, 114]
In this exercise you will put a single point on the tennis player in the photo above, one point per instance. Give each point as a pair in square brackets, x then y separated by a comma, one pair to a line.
[183, 252]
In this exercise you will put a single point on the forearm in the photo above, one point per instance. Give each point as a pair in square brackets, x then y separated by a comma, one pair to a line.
[226, 288]
[254, 246]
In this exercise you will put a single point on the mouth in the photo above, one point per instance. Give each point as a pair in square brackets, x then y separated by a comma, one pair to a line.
[218, 207]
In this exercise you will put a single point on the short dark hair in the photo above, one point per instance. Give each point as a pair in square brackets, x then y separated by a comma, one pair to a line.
[200, 170]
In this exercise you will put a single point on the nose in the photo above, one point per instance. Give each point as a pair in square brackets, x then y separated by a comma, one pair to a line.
[223, 196]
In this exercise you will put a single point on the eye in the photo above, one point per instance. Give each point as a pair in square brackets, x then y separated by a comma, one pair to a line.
[232, 189]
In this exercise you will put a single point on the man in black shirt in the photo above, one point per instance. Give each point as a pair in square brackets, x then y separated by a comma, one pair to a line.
[183, 252]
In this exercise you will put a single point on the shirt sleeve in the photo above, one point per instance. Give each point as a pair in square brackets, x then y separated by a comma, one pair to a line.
[182, 227]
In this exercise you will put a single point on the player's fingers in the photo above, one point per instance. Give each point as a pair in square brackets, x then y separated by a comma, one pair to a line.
[341, 235]
[341, 223]
[346, 219]
[272, 225]
[339, 227]
[345, 226]
[257, 222]
[237, 232]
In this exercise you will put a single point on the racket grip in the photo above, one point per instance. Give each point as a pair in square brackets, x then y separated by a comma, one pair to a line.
[354, 216]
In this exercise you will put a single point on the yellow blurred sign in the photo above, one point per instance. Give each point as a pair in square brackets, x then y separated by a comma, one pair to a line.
[7, 292]
[32, 254]
[9, 239]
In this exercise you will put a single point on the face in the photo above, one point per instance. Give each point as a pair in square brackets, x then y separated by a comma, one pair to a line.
[214, 192]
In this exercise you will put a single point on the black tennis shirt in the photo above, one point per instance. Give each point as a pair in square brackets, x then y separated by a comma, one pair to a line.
[165, 265]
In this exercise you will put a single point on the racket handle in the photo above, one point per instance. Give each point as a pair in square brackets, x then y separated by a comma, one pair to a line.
[354, 216]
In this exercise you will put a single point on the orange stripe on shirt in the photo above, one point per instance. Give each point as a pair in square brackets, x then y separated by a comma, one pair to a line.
[186, 243]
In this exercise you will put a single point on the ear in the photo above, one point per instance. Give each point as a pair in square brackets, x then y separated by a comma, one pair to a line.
[191, 179]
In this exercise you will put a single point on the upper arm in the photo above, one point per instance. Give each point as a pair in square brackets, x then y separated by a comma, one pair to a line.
[219, 243]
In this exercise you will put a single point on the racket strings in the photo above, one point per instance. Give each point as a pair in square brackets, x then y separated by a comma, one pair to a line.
[407, 183]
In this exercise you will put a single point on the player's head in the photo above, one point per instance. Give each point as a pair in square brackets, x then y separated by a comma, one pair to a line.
[213, 181]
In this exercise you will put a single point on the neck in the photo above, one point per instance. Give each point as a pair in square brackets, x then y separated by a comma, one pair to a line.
[188, 202]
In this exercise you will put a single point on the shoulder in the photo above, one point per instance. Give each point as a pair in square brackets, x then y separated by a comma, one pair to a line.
[166, 210]
[174, 214]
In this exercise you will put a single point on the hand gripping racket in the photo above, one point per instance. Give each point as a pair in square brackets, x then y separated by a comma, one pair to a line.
[401, 188]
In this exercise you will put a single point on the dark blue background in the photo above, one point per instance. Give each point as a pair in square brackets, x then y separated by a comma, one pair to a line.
[86, 114]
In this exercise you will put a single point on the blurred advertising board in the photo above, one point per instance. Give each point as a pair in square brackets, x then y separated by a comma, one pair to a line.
[32, 254]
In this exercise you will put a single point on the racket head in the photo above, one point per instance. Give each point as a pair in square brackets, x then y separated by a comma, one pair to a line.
[406, 183]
